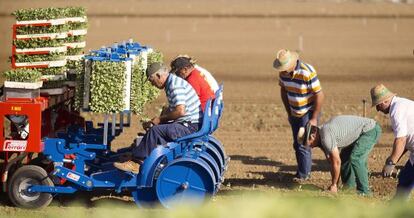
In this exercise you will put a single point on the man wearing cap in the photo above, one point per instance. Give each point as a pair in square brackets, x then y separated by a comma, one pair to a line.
[203, 72]
[346, 141]
[184, 68]
[401, 111]
[182, 117]
[302, 97]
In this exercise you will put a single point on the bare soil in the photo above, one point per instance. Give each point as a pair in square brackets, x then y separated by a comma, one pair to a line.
[366, 45]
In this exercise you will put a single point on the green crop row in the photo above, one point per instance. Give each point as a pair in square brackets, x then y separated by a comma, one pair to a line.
[142, 91]
[72, 64]
[74, 51]
[77, 25]
[75, 39]
[22, 75]
[21, 58]
[52, 70]
[43, 29]
[79, 69]
[37, 43]
[48, 13]
[107, 87]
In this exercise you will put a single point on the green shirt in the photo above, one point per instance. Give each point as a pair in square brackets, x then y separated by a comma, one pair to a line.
[341, 131]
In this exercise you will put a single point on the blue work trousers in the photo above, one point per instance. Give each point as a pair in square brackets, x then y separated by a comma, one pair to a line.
[303, 153]
[160, 135]
[405, 181]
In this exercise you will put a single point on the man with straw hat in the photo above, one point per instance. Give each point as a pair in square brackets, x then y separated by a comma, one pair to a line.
[401, 111]
[346, 141]
[302, 97]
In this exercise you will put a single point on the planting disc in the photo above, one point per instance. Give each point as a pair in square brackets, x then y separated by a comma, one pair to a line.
[145, 197]
[185, 180]
[217, 144]
[213, 165]
[215, 154]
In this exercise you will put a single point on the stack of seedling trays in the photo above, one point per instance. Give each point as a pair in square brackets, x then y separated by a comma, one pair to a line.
[22, 83]
[42, 39]
[75, 43]
[135, 92]
[114, 81]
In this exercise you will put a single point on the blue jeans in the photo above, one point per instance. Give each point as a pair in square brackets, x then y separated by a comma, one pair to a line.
[161, 135]
[405, 181]
[303, 154]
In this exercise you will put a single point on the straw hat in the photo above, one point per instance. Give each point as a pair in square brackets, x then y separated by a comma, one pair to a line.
[285, 60]
[379, 94]
[304, 134]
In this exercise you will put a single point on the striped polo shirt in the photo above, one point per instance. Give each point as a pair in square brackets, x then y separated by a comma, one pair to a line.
[301, 88]
[343, 130]
[180, 92]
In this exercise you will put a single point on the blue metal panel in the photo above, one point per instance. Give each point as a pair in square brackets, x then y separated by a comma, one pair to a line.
[114, 179]
[74, 177]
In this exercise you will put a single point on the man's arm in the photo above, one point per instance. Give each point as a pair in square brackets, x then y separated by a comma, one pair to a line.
[397, 149]
[176, 113]
[283, 95]
[319, 97]
[335, 162]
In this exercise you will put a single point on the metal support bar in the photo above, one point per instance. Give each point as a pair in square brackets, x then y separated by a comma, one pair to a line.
[129, 119]
[51, 189]
[121, 120]
[113, 124]
[105, 135]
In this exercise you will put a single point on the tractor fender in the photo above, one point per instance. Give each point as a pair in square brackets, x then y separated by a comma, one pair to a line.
[149, 167]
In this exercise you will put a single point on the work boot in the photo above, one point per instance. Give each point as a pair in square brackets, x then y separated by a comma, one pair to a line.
[128, 166]
[127, 156]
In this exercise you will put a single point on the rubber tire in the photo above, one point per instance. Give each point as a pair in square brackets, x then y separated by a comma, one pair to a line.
[35, 173]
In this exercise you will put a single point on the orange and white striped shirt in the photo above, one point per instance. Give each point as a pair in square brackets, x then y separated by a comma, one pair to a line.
[301, 87]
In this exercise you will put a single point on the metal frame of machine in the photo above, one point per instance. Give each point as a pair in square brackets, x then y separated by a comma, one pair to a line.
[191, 167]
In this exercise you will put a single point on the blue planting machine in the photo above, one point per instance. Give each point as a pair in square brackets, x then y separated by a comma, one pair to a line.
[190, 168]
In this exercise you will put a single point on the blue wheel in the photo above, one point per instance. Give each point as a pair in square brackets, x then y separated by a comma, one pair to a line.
[185, 180]
[145, 197]
[215, 154]
[217, 144]
[213, 165]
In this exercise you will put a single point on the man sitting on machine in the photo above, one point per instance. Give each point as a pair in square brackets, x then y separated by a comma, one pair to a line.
[182, 117]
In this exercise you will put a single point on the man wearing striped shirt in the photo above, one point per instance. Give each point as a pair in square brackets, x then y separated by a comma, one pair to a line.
[182, 117]
[302, 98]
[346, 141]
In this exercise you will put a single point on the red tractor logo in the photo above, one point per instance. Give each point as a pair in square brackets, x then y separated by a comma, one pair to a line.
[14, 145]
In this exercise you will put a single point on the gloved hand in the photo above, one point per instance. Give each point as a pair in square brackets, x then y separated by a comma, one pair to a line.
[388, 169]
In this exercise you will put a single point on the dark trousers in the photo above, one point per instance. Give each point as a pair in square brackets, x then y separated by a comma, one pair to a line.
[405, 181]
[160, 135]
[303, 153]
